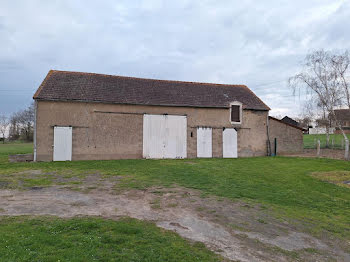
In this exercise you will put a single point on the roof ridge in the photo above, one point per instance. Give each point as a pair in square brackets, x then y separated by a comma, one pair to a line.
[152, 79]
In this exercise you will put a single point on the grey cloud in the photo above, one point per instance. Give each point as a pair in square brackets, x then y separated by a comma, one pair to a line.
[246, 42]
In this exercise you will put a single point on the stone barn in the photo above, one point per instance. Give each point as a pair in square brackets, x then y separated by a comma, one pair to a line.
[86, 116]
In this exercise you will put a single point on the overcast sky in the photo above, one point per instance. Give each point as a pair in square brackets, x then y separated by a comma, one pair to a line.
[257, 43]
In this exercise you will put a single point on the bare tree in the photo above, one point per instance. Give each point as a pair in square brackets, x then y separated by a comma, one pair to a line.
[21, 124]
[324, 77]
[26, 120]
[14, 130]
[4, 123]
[307, 115]
[340, 65]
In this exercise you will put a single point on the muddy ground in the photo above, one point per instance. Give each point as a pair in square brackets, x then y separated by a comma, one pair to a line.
[237, 230]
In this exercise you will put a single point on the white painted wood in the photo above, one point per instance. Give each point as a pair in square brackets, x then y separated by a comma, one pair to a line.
[204, 142]
[229, 143]
[62, 148]
[164, 136]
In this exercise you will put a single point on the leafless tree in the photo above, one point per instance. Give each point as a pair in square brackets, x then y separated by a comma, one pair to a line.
[341, 65]
[4, 123]
[324, 77]
[307, 115]
[26, 120]
[21, 124]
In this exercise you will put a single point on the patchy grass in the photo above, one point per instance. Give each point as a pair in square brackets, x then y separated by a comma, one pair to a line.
[310, 141]
[155, 204]
[94, 239]
[340, 178]
[282, 184]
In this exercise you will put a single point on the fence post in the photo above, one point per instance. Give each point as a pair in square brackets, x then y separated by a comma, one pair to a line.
[342, 143]
[318, 148]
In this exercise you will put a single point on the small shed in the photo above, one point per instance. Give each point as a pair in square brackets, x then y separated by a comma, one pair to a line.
[289, 137]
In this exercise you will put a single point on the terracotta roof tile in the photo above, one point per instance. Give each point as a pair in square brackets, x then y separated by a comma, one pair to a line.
[89, 87]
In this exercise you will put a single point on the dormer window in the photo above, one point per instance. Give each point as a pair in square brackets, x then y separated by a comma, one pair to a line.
[236, 113]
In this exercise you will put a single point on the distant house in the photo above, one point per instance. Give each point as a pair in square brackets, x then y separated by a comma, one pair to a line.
[290, 121]
[343, 116]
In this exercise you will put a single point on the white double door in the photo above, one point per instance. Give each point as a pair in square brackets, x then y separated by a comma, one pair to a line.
[164, 136]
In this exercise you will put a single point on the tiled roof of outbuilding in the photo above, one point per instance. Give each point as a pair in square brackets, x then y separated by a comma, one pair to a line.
[89, 87]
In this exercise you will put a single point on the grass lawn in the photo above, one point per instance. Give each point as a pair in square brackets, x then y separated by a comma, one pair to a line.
[93, 239]
[309, 141]
[286, 185]
[15, 148]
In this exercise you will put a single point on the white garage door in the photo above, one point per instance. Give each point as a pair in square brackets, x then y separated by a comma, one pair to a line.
[229, 141]
[204, 142]
[62, 146]
[164, 136]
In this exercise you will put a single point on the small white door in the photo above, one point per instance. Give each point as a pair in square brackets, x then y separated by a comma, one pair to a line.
[229, 143]
[62, 146]
[164, 136]
[204, 142]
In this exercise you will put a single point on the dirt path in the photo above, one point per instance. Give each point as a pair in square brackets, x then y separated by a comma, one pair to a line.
[235, 230]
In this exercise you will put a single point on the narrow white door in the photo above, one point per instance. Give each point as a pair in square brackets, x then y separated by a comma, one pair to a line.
[229, 143]
[62, 147]
[175, 136]
[204, 142]
[164, 136]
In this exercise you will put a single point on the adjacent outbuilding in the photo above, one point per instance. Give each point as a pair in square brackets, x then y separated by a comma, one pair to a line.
[86, 116]
[285, 138]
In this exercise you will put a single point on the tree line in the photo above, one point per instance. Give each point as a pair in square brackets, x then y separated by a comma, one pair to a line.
[20, 125]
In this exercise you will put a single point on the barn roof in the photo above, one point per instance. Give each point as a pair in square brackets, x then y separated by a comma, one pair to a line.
[288, 124]
[89, 87]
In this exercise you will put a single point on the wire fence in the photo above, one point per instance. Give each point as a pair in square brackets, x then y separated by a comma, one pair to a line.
[336, 141]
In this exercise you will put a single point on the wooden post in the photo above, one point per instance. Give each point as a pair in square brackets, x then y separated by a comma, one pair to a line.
[346, 155]
[318, 148]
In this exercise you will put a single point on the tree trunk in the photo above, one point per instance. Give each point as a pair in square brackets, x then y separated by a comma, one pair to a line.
[346, 154]
[328, 137]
